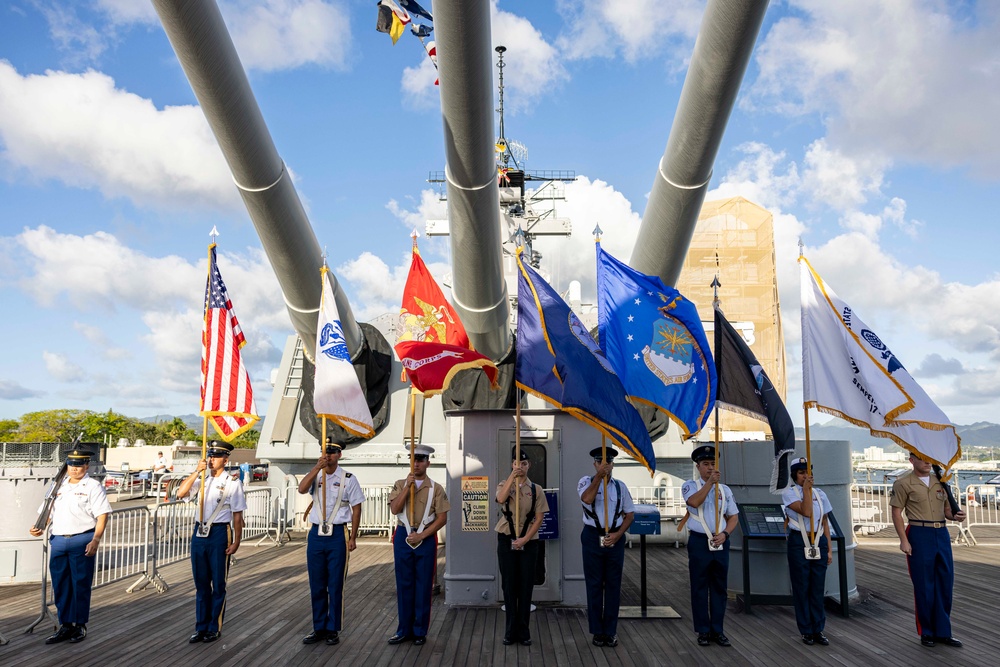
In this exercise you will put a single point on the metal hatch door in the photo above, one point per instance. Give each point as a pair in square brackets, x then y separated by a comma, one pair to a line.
[542, 447]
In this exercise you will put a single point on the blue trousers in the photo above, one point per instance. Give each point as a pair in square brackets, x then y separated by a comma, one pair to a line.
[326, 561]
[808, 579]
[414, 581]
[210, 566]
[709, 572]
[72, 576]
[602, 571]
[933, 575]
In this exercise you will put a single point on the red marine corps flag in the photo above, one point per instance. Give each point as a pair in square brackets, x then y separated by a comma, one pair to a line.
[432, 344]
[226, 395]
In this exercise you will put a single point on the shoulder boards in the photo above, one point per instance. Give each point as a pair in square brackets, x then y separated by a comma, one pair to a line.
[347, 474]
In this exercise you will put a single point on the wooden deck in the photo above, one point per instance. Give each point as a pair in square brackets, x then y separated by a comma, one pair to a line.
[268, 614]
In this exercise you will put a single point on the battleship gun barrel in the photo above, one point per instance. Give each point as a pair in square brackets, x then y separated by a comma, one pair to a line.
[462, 30]
[199, 36]
[721, 54]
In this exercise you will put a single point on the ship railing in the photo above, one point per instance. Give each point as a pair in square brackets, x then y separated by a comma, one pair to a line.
[124, 548]
[127, 485]
[375, 514]
[870, 510]
[981, 503]
[260, 519]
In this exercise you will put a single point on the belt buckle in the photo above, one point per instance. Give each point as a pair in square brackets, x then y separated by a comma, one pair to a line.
[937, 524]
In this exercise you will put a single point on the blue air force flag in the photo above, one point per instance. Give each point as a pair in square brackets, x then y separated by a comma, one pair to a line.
[337, 395]
[656, 343]
[559, 361]
[849, 372]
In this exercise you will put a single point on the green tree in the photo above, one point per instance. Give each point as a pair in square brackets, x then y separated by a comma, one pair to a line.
[51, 425]
[9, 429]
[104, 426]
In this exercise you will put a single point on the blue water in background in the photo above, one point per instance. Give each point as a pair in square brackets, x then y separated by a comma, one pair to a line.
[965, 477]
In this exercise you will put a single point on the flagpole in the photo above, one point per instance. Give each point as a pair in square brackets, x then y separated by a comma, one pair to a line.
[204, 457]
[604, 460]
[322, 451]
[517, 457]
[716, 305]
[413, 444]
[805, 407]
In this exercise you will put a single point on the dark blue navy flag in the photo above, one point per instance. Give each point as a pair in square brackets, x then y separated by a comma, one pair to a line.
[656, 343]
[745, 388]
[412, 7]
[558, 361]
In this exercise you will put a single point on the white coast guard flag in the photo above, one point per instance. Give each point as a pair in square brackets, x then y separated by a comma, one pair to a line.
[337, 395]
[848, 371]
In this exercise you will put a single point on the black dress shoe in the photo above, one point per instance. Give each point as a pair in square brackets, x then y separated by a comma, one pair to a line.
[79, 634]
[599, 640]
[704, 639]
[507, 641]
[808, 640]
[525, 642]
[722, 640]
[211, 636]
[419, 641]
[949, 641]
[62, 634]
[927, 640]
[611, 640]
[332, 638]
[399, 639]
[314, 637]
[821, 639]
[197, 637]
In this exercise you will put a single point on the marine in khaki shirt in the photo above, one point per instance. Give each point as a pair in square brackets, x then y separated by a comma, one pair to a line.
[927, 546]
[414, 546]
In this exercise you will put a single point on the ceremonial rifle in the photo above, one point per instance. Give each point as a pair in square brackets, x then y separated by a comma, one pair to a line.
[50, 495]
[955, 509]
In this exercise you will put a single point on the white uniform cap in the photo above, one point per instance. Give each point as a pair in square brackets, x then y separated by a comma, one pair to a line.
[421, 449]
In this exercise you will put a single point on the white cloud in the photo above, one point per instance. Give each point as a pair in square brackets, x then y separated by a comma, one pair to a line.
[99, 339]
[840, 181]
[430, 208]
[79, 42]
[376, 288]
[634, 28]
[14, 391]
[128, 11]
[114, 141]
[907, 79]
[96, 271]
[283, 34]
[61, 368]
[532, 66]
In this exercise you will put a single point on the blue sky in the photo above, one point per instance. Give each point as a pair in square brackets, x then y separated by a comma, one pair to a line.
[868, 129]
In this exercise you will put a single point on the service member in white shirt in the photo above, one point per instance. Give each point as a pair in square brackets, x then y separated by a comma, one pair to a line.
[78, 518]
[214, 539]
[710, 525]
[337, 499]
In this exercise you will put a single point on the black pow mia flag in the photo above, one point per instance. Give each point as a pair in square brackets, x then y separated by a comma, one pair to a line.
[744, 387]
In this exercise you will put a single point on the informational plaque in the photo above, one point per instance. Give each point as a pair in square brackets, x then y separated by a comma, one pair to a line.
[549, 530]
[476, 504]
[759, 520]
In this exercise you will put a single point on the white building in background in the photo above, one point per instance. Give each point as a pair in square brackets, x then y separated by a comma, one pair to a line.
[879, 454]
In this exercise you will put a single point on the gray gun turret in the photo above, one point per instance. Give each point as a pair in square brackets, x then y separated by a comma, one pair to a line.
[205, 50]
[725, 41]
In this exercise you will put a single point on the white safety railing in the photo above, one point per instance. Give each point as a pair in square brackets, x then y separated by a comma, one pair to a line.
[870, 510]
[258, 518]
[375, 514]
[126, 485]
[124, 547]
[666, 498]
[982, 505]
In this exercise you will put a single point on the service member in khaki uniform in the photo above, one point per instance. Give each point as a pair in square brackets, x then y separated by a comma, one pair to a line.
[927, 546]
[517, 545]
[414, 546]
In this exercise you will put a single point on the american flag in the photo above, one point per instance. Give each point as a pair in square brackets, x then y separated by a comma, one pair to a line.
[226, 394]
